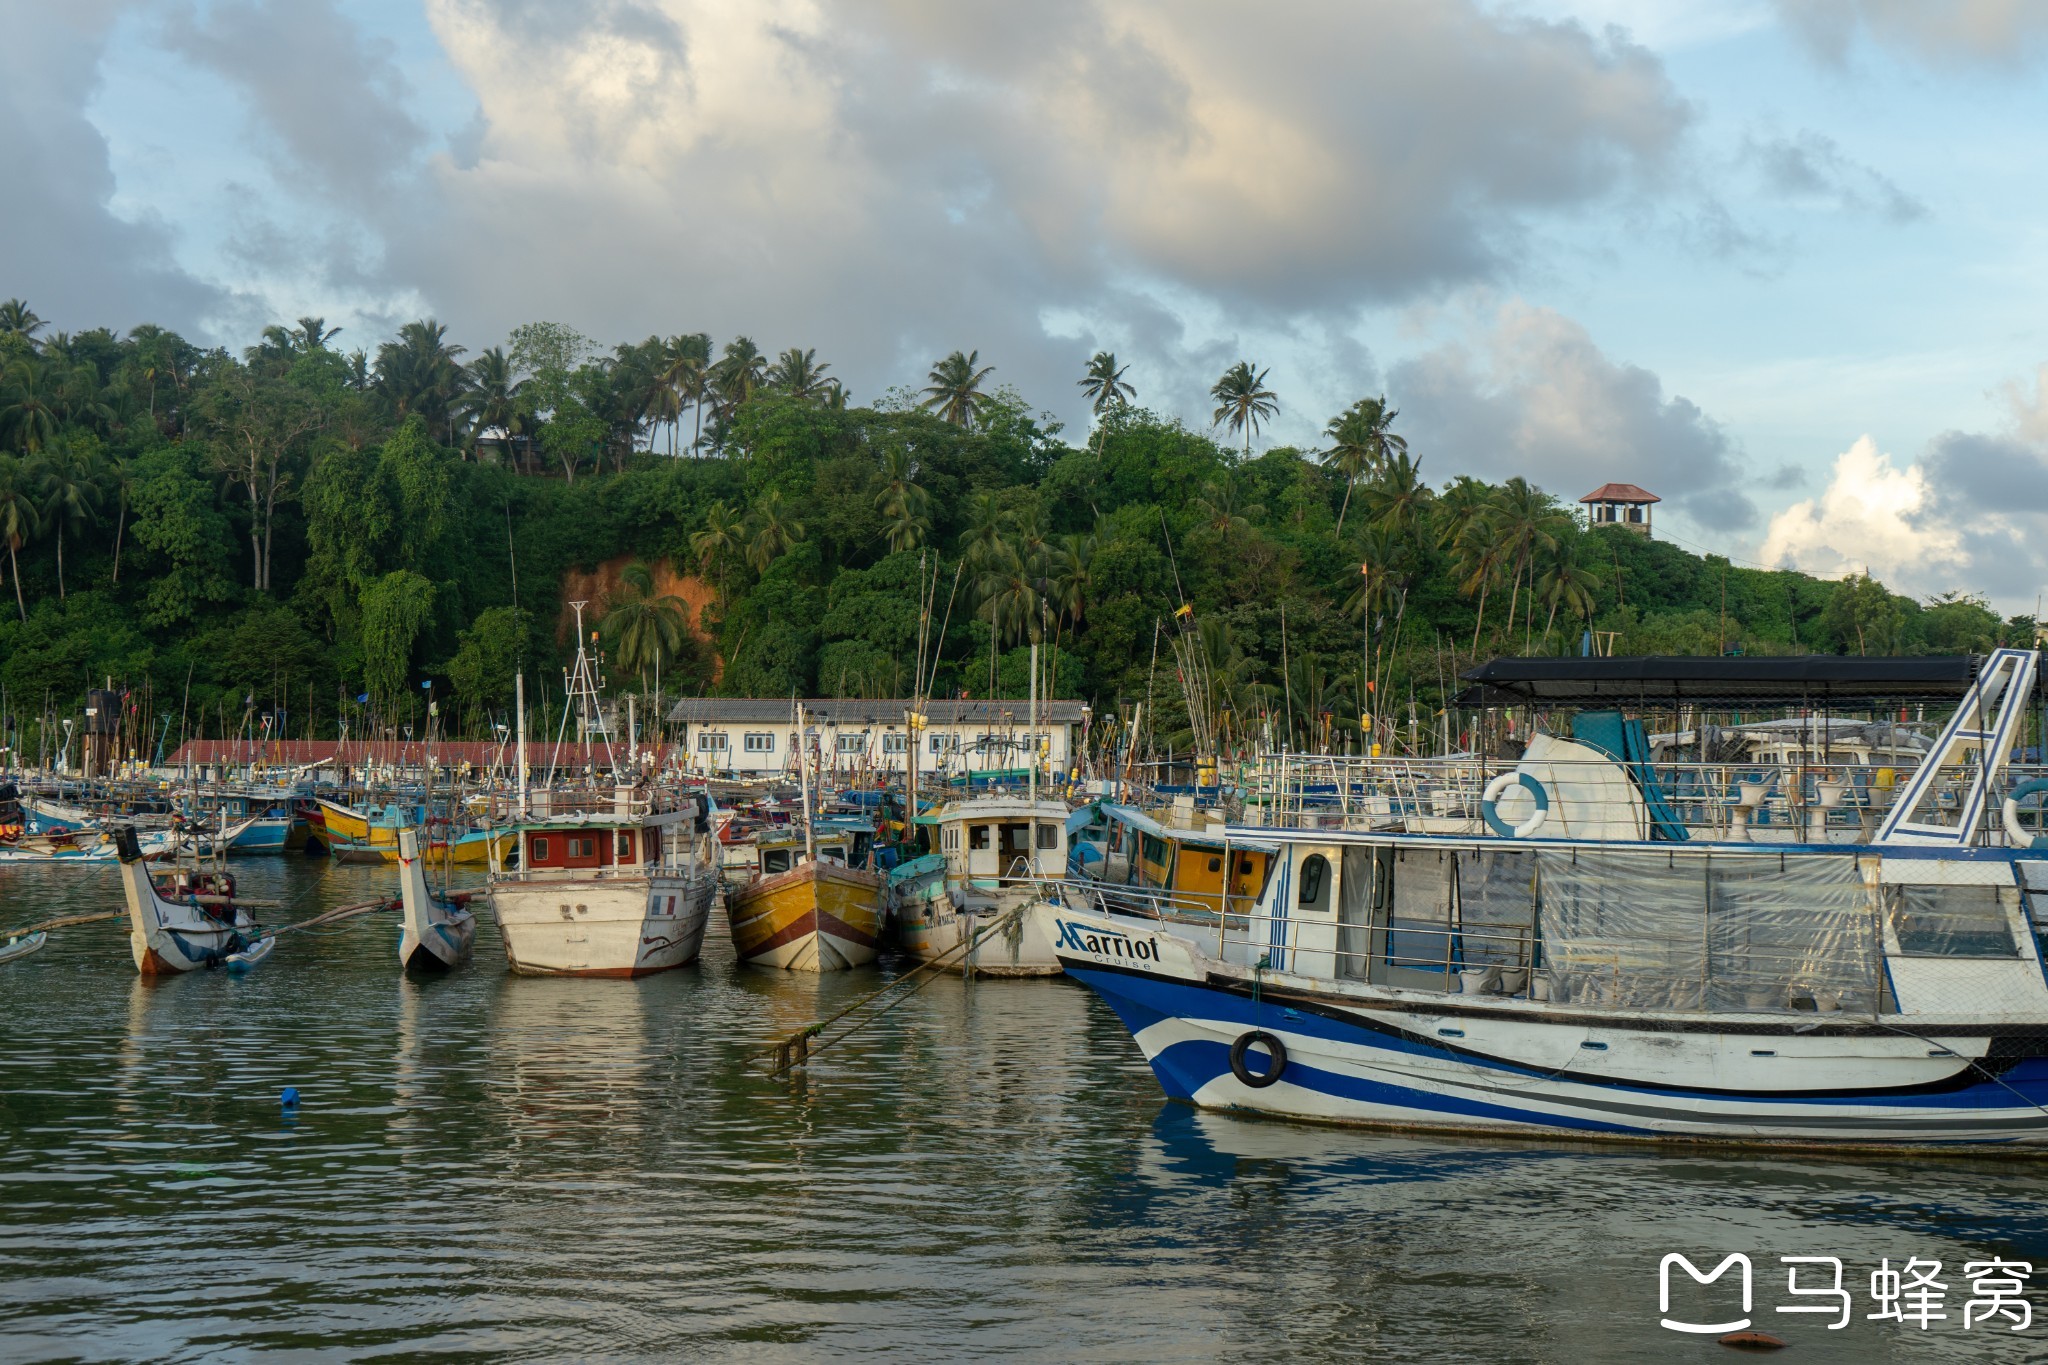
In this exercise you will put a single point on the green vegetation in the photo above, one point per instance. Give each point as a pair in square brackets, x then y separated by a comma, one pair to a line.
[310, 534]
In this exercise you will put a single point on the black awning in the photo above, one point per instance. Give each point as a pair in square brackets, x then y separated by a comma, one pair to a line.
[1650, 680]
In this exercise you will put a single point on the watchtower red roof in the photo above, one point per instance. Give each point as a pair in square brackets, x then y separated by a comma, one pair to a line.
[1620, 492]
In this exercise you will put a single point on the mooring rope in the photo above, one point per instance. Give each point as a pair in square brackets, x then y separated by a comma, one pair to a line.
[796, 1050]
[325, 917]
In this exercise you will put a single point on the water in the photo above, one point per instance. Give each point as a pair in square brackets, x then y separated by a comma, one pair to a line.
[490, 1166]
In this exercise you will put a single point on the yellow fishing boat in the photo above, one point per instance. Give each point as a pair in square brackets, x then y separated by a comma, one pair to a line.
[823, 914]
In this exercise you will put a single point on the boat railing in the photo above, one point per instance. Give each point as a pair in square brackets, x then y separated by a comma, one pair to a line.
[1148, 902]
[1818, 801]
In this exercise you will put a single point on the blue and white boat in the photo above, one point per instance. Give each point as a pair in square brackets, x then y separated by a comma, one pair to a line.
[1589, 981]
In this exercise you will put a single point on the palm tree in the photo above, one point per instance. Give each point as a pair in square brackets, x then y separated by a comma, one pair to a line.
[1104, 388]
[739, 374]
[419, 373]
[1527, 521]
[1010, 599]
[1243, 401]
[493, 399]
[18, 318]
[902, 501]
[1223, 511]
[1398, 500]
[68, 483]
[954, 392]
[643, 626]
[1361, 443]
[119, 481]
[774, 531]
[312, 334]
[27, 417]
[798, 374]
[20, 518]
[1069, 580]
[1566, 582]
[724, 535]
[687, 373]
[986, 523]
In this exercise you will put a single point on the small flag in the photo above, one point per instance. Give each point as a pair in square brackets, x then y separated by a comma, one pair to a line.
[363, 697]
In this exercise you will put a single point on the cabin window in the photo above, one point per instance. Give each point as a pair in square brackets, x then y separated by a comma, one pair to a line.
[622, 847]
[1048, 836]
[1953, 921]
[775, 860]
[1216, 864]
[540, 849]
[1315, 883]
[582, 847]
[710, 744]
[1154, 849]
[893, 744]
[977, 836]
[760, 743]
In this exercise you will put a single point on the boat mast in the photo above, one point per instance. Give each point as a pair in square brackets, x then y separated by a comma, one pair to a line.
[803, 777]
[519, 703]
[1031, 744]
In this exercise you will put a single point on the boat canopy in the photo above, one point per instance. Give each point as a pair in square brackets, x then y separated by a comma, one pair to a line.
[1145, 824]
[1814, 679]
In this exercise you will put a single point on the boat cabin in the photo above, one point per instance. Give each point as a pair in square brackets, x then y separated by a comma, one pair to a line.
[1122, 846]
[987, 841]
[845, 842]
[573, 850]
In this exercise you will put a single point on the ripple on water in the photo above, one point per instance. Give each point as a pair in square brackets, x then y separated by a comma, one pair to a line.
[505, 1167]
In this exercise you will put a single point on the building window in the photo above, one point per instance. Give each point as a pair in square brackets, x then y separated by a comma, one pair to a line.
[893, 744]
[760, 744]
[855, 743]
[710, 743]
[943, 744]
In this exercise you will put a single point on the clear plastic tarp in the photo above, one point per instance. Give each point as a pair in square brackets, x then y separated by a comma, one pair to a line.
[1496, 906]
[1738, 932]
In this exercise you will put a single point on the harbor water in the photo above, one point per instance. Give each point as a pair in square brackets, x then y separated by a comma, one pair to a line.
[496, 1167]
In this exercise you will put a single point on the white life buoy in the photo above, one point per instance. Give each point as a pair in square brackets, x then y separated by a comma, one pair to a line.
[1497, 788]
[2018, 835]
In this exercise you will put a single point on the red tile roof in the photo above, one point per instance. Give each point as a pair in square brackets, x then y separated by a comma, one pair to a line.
[1620, 492]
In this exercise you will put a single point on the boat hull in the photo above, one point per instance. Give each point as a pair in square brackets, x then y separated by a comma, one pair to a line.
[817, 917]
[611, 926]
[993, 942]
[168, 938]
[1437, 1065]
[435, 934]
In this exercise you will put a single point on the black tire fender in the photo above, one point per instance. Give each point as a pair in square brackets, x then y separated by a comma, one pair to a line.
[1254, 1079]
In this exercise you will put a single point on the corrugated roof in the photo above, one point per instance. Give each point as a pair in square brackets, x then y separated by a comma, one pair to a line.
[1817, 679]
[844, 713]
[1620, 492]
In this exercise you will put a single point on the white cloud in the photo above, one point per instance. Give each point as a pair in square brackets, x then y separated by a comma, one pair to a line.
[1531, 394]
[1871, 518]
[1941, 33]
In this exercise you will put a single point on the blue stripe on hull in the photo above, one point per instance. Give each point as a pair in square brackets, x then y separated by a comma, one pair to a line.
[1185, 1066]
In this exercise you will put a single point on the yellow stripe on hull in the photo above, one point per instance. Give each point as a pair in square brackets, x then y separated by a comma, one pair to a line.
[820, 917]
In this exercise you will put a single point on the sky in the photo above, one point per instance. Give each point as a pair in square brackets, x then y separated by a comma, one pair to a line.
[1778, 261]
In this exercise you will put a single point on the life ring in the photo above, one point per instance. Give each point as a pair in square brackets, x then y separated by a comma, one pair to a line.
[1497, 788]
[1257, 1080]
[2016, 833]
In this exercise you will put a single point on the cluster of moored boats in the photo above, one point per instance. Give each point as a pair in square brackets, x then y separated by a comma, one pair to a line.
[1591, 938]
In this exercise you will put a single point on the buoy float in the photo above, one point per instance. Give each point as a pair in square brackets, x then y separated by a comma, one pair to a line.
[290, 1098]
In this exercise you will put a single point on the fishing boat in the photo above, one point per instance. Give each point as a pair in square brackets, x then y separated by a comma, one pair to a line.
[617, 887]
[1140, 862]
[816, 904]
[187, 920]
[1624, 980]
[995, 855]
[21, 945]
[439, 931]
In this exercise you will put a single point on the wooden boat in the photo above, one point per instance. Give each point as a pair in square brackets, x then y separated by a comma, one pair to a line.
[188, 921]
[439, 931]
[21, 945]
[241, 963]
[620, 890]
[994, 851]
[819, 916]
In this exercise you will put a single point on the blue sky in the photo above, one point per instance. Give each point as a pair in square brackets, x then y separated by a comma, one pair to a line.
[1774, 259]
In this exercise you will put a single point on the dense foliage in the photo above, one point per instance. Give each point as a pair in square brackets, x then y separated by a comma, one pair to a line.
[301, 535]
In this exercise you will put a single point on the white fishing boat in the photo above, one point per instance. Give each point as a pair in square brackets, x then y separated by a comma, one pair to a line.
[21, 945]
[621, 889]
[187, 921]
[1884, 994]
[964, 906]
[438, 931]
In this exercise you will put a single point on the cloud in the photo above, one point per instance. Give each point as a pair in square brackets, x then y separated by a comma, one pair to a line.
[1952, 34]
[1971, 516]
[1807, 167]
[1533, 395]
[889, 179]
[64, 249]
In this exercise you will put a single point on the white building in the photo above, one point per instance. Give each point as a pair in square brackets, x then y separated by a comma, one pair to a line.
[756, 736]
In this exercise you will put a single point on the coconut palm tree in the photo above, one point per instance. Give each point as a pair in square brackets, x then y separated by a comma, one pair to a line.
[68, 483]
[1223, 509]
[687, 372]
[1566, 583]
[28, 417]
[986, 525]
[798, 374]
[643, 626]
[493, 399]
[1528, 522]
[20, 517]
[18, 318]
[1361, 442]
[740, 373]
[1243, 401]
[902, 502]
[954, 392]
[312, 334]
[1397, 501]
[419, 372]
[1010, 597]
[775, 530]
[724, 536]
[118, 481]
[1103, 386]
